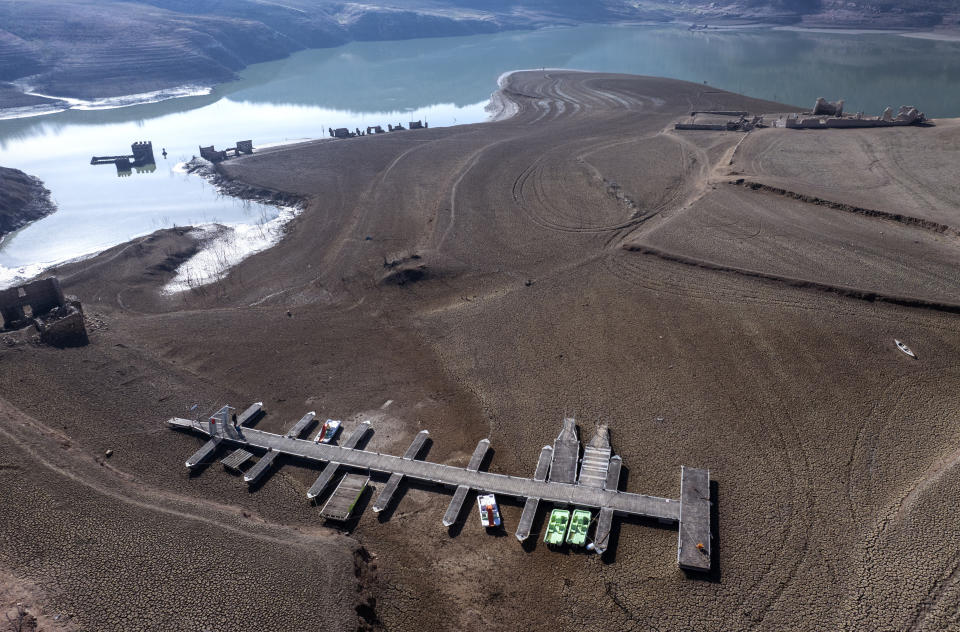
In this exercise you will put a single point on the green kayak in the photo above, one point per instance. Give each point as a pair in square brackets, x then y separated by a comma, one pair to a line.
[557, 527]
[579, 525]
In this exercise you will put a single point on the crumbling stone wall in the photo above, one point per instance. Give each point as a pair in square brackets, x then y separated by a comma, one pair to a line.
[40, 296]
[63, 326]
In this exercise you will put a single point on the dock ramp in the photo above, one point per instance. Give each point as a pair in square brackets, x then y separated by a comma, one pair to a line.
[344, 498]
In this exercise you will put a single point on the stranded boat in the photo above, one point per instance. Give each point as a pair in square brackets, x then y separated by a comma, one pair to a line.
[557, 527]
[904, 348]
[579, 524]
[489, 511]
[328, 431]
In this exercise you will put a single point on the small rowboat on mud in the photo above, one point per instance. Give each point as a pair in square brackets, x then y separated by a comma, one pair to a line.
[328, 431]
[489, 511]
[904, 348]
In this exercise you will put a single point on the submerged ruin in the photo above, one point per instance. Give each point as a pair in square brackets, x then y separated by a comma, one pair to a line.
[141, 158]
[343, 132]
[827, 115]
[214, 155]
[824, 115]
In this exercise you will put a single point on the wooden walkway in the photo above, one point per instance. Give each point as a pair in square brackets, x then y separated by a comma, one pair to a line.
[691, 511]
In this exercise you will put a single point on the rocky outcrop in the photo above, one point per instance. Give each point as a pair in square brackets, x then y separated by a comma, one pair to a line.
[23, 199]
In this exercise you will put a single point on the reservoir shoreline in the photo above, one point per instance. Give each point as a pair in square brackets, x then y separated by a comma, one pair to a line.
[169, 88]
[483, 281]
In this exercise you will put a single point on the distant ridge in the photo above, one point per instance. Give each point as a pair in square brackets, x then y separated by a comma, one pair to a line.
[89, 50]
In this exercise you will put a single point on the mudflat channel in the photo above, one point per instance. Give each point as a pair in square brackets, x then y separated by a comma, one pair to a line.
[579, 257]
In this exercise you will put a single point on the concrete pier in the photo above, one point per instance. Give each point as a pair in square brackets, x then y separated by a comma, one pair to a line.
[691, 511]
[327, 475]
[613, 474]
[383, 500]
[255, 473]
[530, 506]
[456, 503]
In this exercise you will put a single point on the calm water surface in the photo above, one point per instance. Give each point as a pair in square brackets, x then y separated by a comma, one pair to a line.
[445, 81]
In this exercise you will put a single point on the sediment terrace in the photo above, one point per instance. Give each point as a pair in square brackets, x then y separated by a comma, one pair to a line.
[482, 281]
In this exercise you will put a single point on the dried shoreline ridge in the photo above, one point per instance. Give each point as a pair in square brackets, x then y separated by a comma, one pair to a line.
[583, 257]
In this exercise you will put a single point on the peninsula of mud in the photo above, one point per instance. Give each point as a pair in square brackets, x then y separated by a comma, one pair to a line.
[581, 258]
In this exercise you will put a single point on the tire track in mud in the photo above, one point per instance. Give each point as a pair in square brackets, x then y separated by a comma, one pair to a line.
[893, 512]
[798, 535]
[899, 218]
[941, 587]
[540, 211]
[778, 445]
[470, 164]
[133, 492]
[839, 290]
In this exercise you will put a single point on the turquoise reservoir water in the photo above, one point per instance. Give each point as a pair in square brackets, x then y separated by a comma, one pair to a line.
[446, 81]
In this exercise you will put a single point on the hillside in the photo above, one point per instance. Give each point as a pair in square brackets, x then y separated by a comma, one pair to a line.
[91, 49]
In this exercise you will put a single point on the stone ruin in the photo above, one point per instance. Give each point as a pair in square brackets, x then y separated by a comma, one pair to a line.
[822, 107]
[218, 155]
[42, 304]
[906, 114]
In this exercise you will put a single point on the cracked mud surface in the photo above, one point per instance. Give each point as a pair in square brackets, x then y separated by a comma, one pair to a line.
[583, 258]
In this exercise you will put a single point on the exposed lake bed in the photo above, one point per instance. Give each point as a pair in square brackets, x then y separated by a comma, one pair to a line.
[578, 255]
[444, 81]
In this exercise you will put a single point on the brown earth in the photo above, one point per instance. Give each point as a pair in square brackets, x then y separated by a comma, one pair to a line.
[23, 199]
[581, 257]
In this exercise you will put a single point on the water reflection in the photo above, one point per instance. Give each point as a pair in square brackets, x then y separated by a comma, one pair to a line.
[444, 81]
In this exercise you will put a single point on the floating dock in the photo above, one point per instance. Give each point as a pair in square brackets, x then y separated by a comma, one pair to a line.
[555, 479]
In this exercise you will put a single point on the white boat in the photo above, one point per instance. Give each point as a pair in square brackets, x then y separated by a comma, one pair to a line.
[328, 431]
[904, 348]
[489, 511]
